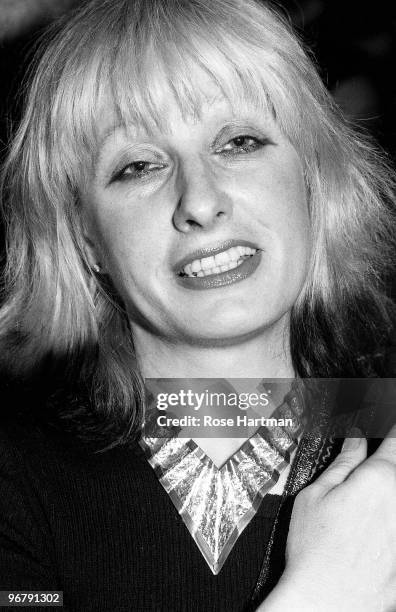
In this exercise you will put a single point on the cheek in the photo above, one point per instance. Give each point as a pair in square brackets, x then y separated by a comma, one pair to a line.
[296, 248]
[130, 241]
[291, 210]
[293, 223]
[284, 214]
[279, 198]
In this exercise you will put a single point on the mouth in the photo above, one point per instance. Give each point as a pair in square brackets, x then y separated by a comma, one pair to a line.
[223, 261]
[210, 268]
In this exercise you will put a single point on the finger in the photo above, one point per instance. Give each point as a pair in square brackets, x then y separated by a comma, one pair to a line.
[353, 452]
[387, 448]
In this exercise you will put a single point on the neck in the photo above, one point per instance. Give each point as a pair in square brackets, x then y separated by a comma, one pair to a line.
[265, 356]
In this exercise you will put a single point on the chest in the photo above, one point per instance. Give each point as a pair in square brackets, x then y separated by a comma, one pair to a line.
[121, 544]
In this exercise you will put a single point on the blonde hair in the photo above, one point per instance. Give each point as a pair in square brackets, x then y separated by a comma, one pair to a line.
[133, 53]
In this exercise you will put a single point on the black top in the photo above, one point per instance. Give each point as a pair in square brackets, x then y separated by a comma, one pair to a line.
[101, 528]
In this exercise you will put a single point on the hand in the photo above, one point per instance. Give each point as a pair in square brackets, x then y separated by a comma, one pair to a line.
[341, 547]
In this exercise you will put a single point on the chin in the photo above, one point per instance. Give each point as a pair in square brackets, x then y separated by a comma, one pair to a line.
[227, 332]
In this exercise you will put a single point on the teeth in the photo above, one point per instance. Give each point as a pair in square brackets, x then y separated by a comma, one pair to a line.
[196, 265]
[207, 263]
[222, 262]
[222, 258]
[234, 253]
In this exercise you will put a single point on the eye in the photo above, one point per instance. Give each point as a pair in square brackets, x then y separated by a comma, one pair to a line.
[241, 144]
[136, 170]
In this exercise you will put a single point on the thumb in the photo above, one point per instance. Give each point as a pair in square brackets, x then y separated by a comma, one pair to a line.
[353, 452]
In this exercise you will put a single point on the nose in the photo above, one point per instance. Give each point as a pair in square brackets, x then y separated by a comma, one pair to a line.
[202, 202]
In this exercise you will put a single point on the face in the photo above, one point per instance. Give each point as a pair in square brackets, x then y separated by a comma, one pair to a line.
[202, 226]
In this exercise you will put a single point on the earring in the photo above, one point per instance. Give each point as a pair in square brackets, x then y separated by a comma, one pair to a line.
[96, 268]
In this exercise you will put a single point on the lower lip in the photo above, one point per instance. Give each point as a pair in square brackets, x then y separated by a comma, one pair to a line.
[244, 270]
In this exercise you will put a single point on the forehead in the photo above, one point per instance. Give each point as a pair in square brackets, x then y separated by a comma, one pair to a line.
[210, 103]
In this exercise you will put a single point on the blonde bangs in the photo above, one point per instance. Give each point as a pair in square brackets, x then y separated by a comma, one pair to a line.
[133, 72]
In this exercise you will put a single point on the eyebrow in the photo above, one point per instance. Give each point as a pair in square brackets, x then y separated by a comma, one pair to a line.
[102, 142]
[109, 132]
[132, 127]
[246, 124]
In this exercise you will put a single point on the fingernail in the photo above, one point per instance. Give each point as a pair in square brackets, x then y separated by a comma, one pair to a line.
[354, 439]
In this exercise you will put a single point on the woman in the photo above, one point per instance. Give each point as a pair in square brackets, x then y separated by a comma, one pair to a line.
[183, 201]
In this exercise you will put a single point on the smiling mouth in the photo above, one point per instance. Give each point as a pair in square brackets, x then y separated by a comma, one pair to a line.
[221, 262]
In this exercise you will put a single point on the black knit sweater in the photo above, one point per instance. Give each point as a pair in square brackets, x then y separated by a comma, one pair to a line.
[101, 528]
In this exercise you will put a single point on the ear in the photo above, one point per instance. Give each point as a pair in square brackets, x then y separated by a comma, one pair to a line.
[92, 256]
[91, 249]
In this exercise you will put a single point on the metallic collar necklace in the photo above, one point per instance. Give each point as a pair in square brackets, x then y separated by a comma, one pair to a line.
[216, 504]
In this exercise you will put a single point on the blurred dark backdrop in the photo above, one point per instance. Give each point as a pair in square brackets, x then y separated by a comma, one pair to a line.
[354, 43]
